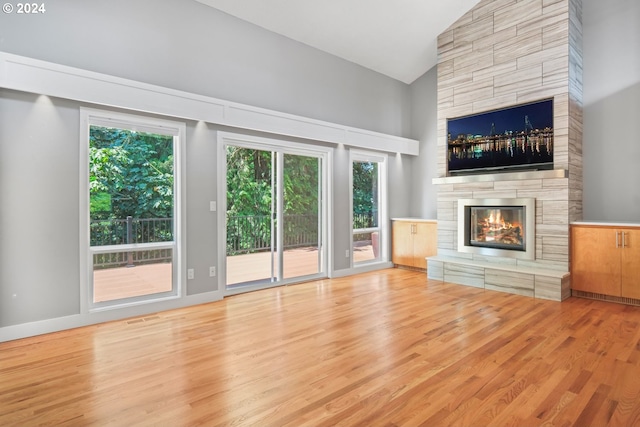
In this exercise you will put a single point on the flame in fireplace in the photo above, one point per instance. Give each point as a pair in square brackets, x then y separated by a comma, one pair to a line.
[495, 220]
[494, 228]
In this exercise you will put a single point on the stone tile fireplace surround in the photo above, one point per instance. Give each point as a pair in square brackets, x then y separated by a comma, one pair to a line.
[502, 53]
[546, 276]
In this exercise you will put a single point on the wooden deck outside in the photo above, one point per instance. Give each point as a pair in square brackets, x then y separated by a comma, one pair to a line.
[126, 282]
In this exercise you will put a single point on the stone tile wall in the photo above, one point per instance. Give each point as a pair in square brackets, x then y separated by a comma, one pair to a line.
[499, 54]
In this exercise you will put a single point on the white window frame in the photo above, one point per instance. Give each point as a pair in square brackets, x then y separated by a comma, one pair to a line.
[383, 213]
[281, 146]
[94, 117]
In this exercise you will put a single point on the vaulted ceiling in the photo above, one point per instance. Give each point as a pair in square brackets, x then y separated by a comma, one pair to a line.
[397, 38]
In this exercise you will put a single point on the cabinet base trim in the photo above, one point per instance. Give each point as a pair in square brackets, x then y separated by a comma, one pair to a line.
[603, 297]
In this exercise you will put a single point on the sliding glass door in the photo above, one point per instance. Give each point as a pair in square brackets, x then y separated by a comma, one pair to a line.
[251, 237]
[274, 215]
[301, 220]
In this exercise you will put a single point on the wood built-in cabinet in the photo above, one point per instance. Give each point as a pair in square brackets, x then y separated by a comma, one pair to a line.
[412, 241]
[606, 260]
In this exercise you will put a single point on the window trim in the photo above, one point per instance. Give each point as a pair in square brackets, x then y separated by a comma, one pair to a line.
[95, 117]
[383, 213]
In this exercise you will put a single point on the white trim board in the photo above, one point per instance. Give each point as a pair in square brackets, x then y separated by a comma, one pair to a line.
[47, 78]
[39, 327]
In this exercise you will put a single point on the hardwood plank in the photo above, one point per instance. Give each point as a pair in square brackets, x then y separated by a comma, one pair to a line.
[382, 348]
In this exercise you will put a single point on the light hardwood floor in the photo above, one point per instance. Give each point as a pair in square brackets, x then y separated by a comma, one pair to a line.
[379, 349]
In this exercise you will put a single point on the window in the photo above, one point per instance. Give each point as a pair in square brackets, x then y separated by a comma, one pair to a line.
[368, 199]
[131, 214]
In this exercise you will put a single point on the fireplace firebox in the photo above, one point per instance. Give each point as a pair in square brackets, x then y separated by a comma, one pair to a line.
[499, 227]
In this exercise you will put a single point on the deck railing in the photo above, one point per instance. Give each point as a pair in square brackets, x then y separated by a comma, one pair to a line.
[252, 233]
[106, 232]
[130, 230]
[245, 234]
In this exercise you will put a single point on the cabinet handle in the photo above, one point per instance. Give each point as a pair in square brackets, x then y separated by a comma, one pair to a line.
[617, 239]
[624, 239]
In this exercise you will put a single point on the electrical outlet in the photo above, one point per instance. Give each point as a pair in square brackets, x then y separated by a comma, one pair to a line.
[212, 271]
[190, 274]
[346, 253]
[213, 206]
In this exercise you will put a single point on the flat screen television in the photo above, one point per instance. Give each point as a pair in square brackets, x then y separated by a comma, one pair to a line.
[508, 139]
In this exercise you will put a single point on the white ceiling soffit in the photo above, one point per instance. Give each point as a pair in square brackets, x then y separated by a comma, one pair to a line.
[397, 38]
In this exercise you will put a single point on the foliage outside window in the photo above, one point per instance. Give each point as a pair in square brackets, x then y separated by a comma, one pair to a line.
[250, 177]
[365, 195]
[367, 184]
[130, 176]
[130, 194]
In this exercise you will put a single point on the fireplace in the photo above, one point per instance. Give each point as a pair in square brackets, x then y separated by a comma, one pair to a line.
[498, 227]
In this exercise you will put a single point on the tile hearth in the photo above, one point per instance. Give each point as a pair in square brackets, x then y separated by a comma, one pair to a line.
[522, 280]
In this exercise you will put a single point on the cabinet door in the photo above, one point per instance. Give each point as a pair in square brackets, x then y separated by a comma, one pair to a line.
[630, 264]
[425, 243]
[595, 260]
[402, 243]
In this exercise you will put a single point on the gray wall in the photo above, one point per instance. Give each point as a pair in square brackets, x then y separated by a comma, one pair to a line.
[611, 67]
[611, 144]
[185, 45]
[424, 167]
[39, 194]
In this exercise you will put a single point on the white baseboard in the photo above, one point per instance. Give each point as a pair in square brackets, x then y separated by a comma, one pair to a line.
[361, 269]
[24, 330]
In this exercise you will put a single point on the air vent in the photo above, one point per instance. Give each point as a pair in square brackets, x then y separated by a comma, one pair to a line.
[608, 298]
[142, 319]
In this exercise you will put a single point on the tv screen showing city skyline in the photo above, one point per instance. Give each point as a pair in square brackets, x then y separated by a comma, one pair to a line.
[517, 137]
[509, 119]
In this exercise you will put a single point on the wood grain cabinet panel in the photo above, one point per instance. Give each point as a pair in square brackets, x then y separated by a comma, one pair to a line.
[606, 260]
[595, 260]
[402, 243]
[630, 263]
[425, 243]
[412, 242]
